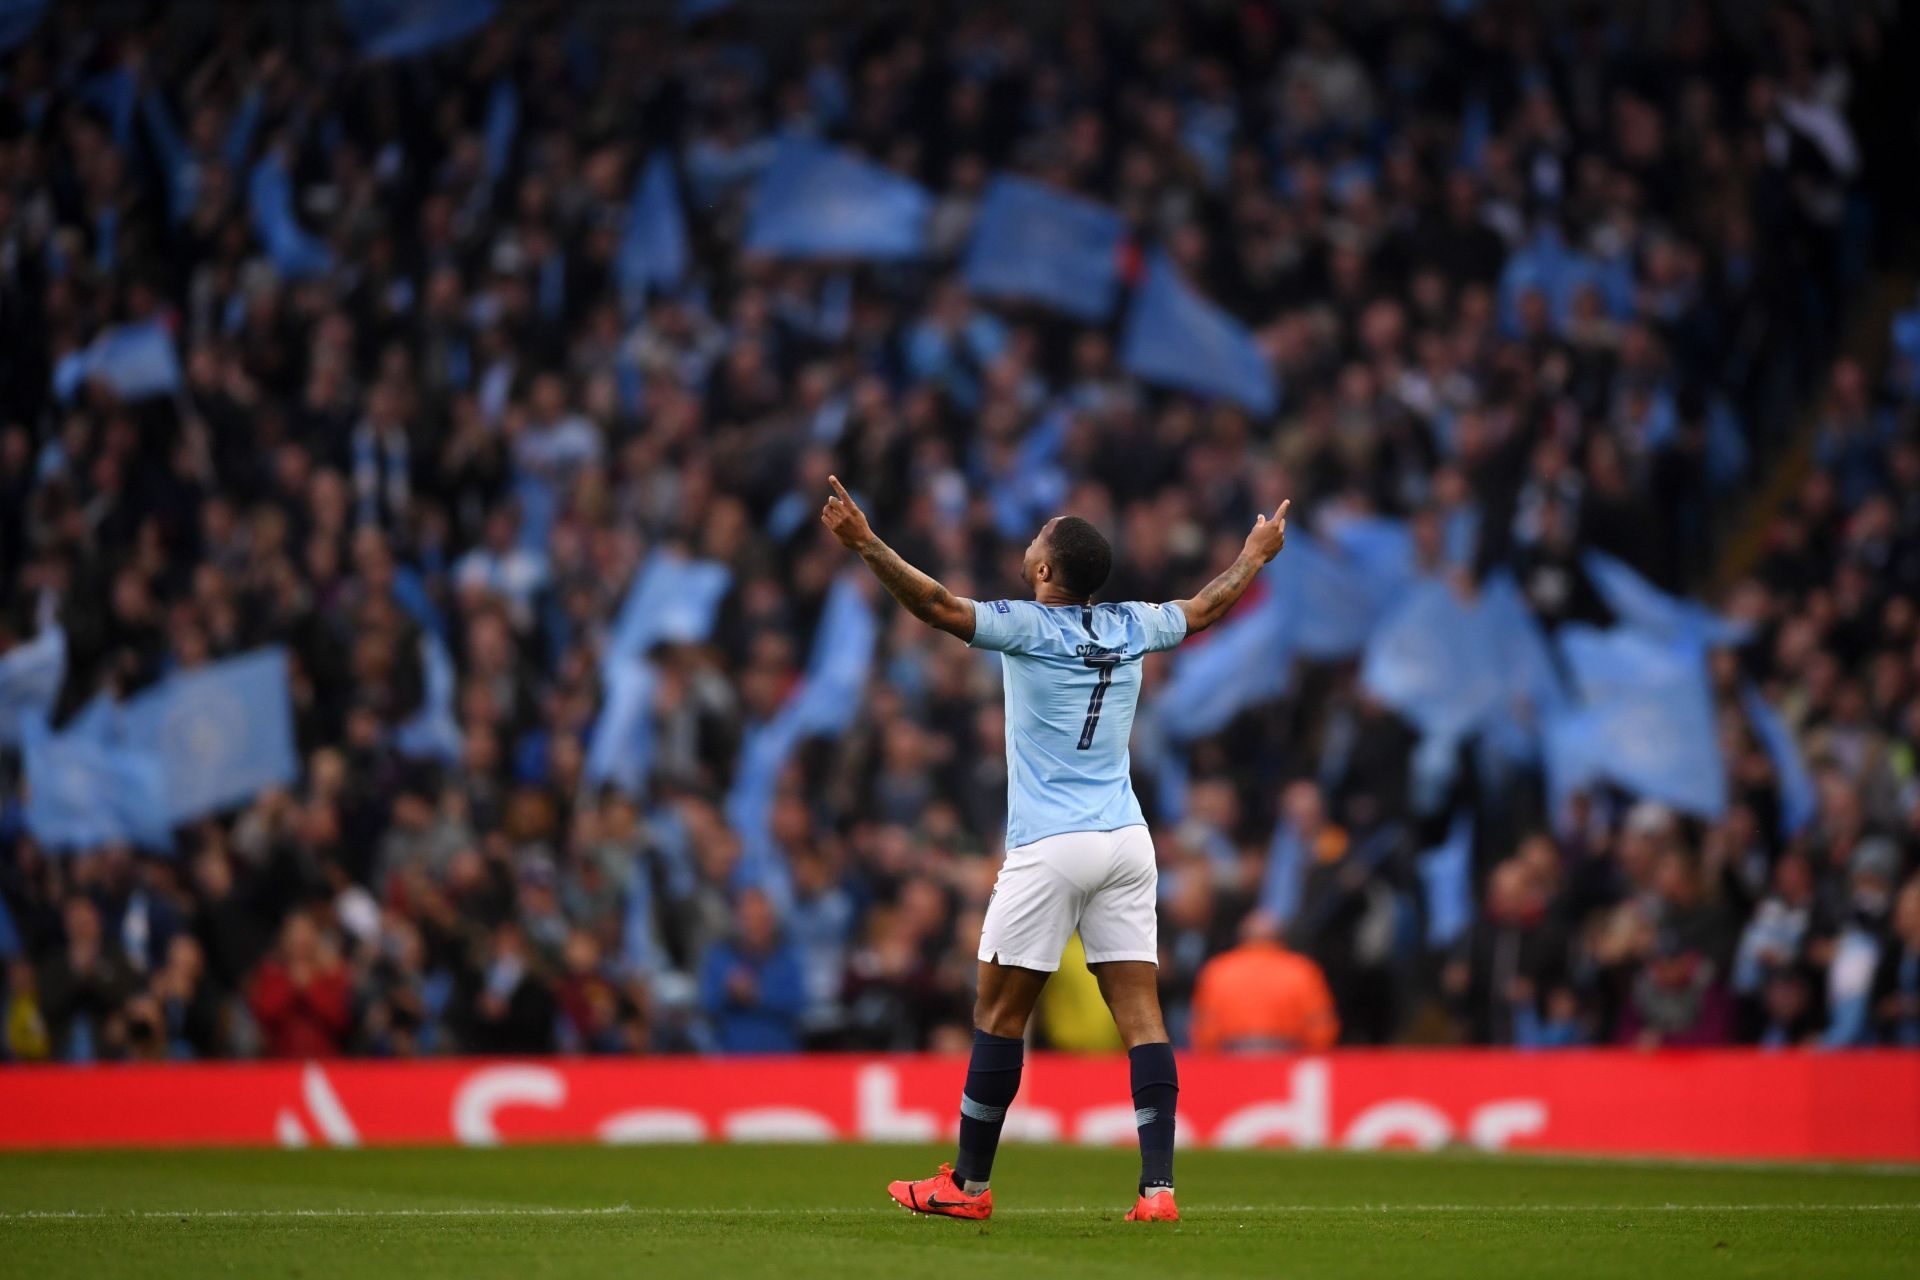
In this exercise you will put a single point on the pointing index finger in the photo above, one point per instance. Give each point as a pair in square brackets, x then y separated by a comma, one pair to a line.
[1281, 514]
[840, 489]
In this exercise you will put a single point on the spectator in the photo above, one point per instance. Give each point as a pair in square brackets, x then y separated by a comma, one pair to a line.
[83, 988]
[1896, 982]
[1261, 996]
[510, 1009]
[751, 985]
[1677, 1000]
[300, 997]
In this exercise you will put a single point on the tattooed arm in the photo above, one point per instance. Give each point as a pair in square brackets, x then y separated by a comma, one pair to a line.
[1220, 595]
[922, 597]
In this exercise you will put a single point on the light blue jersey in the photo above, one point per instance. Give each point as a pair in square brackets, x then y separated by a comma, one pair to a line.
[1072, 679]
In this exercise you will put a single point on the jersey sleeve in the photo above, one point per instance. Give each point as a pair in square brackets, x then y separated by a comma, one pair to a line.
[1001, 625]
[1162, 626]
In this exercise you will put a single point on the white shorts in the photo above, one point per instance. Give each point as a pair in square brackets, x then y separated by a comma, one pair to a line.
[1103, 883]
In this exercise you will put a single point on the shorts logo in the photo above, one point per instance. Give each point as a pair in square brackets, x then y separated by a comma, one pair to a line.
[1001, 606]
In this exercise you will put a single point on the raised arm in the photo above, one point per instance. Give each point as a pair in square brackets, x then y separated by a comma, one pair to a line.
[922, 597]
[1220, 595]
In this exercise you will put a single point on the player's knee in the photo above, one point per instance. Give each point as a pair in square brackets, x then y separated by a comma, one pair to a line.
[999, 1016]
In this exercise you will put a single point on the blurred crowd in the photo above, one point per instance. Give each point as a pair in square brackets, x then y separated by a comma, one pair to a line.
[465, 428]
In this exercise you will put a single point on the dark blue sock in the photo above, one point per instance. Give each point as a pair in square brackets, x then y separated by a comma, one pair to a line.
[1156, 1087]
[993, 1077]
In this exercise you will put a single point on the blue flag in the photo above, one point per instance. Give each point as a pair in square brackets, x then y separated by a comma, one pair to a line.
[1446, 876]
[403, 28]
[135, 361]
[1546, 265]
[502, 125]
[1639, 603]
[1177, 338]
[1435, 661]
[815, 201]
[223, 732]
[88, 787]
[1532, 685]
[295, 251]
[825, 703]
[1799, 798]
[620, 748]
[1622, 659]
[1645, 724]
[30, 678]
[673, 600]
[171, 153]
[1034, 244]
[653, 249]
[1285, 874]
[1246, 661]
[1380, 547]
[1332, 603]
[433, 732]
[842, 657]
[18, 18]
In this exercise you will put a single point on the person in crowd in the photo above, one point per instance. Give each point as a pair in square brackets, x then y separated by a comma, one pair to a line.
[1261, 996]
[751, 985]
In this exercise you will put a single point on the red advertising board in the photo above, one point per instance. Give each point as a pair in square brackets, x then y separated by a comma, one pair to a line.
[1707, 1103]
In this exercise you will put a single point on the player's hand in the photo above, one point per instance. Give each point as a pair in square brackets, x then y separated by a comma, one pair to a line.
[847, 521]
[1268, 536]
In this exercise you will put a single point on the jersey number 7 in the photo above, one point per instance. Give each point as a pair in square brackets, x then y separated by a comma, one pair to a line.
[1104, 663]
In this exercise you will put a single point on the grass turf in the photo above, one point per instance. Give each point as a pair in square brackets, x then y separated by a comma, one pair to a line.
[799, 1212]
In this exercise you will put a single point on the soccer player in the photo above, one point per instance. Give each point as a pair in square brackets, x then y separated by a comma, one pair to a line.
[1078, 853]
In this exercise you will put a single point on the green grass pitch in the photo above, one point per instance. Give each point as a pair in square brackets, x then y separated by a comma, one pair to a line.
[795, 1212]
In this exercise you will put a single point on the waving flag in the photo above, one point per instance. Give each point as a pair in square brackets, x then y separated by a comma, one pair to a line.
[1034, 244]
[30, 678]
[1177, 338]
[1799, 799]
[815, 201]
[620, 748]
[673, 600]
[1285, 874]
[1646, 724]
[1532, 686]
[1619, 660]
[1247, 660]
[403, 28]
[1446, 877]
[433, 732]
[653, 249]
[296, 252]
[171, 153]
[135, 361]
[88, 787]
[1332, 603]
[222, 733]
[501, 126]
[1379, 546]
[1435, 660]
[825, 703]
[1639, 603]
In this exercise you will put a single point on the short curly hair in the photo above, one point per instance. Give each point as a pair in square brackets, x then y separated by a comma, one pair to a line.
[1080, 556]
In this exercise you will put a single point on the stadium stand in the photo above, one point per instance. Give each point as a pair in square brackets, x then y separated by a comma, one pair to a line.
[416, 636]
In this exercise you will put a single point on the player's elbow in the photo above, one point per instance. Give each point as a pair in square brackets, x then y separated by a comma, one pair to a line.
[953, 616]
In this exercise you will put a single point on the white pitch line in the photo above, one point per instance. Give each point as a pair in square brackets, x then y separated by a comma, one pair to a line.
[533, 1211]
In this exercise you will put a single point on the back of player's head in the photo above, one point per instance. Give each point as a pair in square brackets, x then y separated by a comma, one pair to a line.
[1080, 556]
